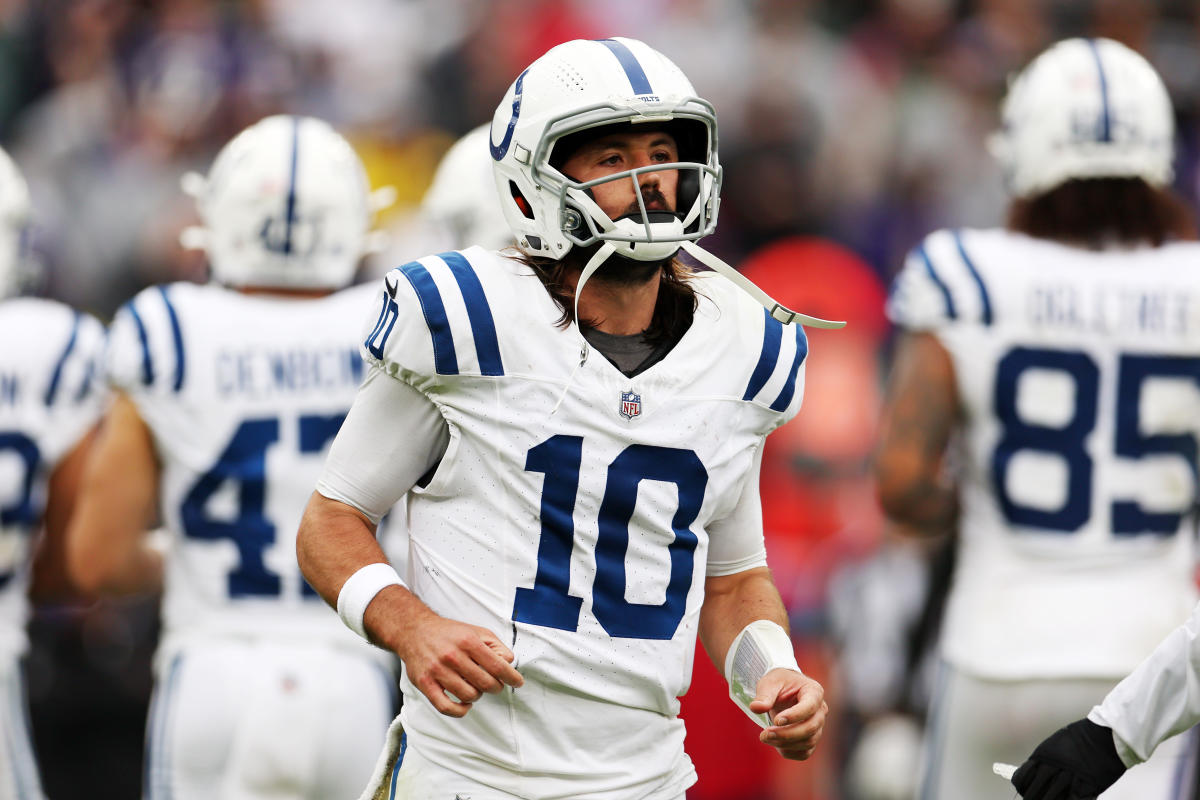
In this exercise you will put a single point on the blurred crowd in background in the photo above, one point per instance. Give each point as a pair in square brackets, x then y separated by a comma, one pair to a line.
[848, 130]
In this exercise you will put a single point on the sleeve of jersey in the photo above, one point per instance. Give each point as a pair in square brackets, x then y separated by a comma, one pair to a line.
[433, 320]
[76, 394]
[1159, 699]
[929, 292]
[779, 354]
[735, 542]
[146, 354]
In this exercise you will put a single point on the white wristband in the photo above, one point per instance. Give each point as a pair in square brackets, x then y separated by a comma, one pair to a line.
[761, 647]
[360, 589]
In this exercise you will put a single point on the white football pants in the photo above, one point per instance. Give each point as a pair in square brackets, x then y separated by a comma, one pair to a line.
[18, 770]
[265, 721]
[974, 723]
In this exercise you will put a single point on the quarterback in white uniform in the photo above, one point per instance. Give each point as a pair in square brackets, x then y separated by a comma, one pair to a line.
[586, 495]
[229, 394]
[1064, 352]
[50, 400]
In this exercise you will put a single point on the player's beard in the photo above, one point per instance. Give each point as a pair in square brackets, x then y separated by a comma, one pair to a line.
[621, 271]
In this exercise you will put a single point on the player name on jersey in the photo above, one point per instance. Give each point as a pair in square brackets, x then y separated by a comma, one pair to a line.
[1109, 309]
[257, 372]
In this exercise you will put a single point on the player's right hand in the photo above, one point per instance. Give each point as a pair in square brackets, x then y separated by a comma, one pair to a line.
[454, 664]
[1077, 762]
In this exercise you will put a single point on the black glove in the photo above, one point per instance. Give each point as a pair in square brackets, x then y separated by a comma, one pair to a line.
[1077, 762]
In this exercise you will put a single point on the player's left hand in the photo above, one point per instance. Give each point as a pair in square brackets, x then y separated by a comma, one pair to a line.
[796, 705]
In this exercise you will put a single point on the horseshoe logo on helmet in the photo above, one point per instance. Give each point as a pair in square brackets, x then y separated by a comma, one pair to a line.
[500, 150]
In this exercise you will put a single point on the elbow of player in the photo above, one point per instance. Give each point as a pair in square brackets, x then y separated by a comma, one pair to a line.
[88, 568]
[914, 499]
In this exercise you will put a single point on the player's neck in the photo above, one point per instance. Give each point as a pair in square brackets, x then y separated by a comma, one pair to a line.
[620, 308]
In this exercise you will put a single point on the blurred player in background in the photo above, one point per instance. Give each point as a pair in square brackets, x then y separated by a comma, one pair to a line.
[461, 207]
[1060, 360]
[50, 402]
[228, 395]
[1158, 700]
[583, 423]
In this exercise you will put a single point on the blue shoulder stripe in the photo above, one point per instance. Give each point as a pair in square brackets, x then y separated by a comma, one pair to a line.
[633, 70]
[147, 366]
[445, 360]
[483, 325]
[52, 389]
[933, 276]
[984, 300]
[177, 335]
[772, 336]
[789, 388]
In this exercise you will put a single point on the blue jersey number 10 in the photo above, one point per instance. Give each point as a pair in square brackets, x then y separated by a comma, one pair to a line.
[244, 463]
[549, 603]
[1069, 441]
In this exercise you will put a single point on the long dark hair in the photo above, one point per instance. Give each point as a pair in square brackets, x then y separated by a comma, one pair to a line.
[677, 298]
[1098, 211]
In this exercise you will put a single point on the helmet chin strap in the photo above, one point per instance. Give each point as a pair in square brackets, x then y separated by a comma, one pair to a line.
[776, 309]
[599, 257]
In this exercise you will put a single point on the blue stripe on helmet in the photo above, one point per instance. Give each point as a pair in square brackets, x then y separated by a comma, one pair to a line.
[483, 326]
[177, 336]
[290, 209]
[56, 376]
[633, 69]
[984, 299]
[772, 336]
[951, 312]
[1105, 116]
[445, 360]
[789, 389]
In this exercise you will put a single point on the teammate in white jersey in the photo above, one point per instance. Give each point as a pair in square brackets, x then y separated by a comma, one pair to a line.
[229, 394]
[1060, 359]
[585, 495]
[1158, 700]
[50, 401]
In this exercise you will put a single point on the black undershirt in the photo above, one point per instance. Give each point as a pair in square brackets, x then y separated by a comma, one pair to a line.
[631, 353]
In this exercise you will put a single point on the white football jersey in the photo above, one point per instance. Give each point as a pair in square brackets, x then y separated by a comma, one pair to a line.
[50, 396]
[243, 394]
[571, 513]
[1079, 377]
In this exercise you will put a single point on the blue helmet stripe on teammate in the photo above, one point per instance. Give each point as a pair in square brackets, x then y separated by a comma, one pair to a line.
[290, 207]
[772, 336]
[1105, 115]
[633, 70]
[177, 338]
[483, 326]
[789, 389]
[445, 359]
[52, 389]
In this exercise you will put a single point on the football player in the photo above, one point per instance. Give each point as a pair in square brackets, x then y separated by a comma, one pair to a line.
[1158, 700]
[582, 423]
[227, 397]
[1061, 356]
[50, 401]
[461, 207]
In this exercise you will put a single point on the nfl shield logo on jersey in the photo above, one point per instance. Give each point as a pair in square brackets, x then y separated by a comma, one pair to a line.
[631, 404]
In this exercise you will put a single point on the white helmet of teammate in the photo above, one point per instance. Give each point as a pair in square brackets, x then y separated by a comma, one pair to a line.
[14, 225]
[1085, 108]
[585, 84]
[461, 204]
[285, 205]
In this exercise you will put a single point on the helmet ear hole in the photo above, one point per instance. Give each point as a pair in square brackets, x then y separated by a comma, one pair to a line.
[520, 200]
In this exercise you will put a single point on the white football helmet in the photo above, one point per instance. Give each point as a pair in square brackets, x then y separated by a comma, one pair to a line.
[1085, 108]
[285, 205]
[461, 203]
[585, 84]
[14, 226]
